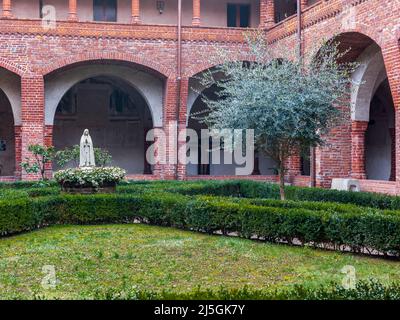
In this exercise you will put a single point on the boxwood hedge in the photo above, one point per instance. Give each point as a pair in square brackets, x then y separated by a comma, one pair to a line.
[363, 290]
[335, 225]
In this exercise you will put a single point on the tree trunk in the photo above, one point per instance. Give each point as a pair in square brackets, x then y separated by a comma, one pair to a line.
[282, 181]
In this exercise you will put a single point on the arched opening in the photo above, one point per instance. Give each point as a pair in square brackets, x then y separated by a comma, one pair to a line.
[380, 136]
[362, 143]
[7, 137]
[372, 105]
[115, 112]
[263, 165]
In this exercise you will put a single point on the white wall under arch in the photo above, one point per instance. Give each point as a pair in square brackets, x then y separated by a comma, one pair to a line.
[151, 87]
[366, 80]
[10, 83]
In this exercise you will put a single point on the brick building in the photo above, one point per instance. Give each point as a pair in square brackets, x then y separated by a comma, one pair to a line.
[122, 67]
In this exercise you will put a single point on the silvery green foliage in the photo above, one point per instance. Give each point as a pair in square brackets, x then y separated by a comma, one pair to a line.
[290, 102]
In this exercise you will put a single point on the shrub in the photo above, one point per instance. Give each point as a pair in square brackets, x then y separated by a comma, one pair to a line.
[71, 156]
[89, 177]
[375, 230]
[364, 290]
[41, 156]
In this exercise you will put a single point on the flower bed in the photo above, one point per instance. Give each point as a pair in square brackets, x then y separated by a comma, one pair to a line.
[89, 180]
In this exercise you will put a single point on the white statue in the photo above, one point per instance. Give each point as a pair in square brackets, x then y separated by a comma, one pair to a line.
[86, 151]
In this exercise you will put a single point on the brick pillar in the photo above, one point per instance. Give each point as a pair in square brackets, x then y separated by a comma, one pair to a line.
[18, 150]
[48, 142]
[333, 158]
[72, 11]
[135, 6]
[293, 167]
[169, 170]
[182, 121]
[7, 11]
[196, 13]
[32, 105]
[391, 56]
[267, 14]
[358, 129]
[392, 132]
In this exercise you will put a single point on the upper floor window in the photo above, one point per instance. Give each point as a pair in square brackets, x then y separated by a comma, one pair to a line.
[41, 9]
[238, 15]
[105, 10]
[285, 9]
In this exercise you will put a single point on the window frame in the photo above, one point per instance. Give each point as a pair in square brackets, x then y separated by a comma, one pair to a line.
[238, 7]
[104, 7]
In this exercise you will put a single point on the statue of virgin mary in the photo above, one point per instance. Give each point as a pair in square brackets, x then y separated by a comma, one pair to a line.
[86, 151]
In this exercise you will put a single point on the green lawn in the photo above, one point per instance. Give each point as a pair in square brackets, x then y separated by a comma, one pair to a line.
[87, 258]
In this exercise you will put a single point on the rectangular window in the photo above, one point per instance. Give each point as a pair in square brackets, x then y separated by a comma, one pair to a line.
[238, 15]
[105, 10]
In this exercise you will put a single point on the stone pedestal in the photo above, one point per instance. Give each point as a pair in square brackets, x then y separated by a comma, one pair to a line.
[346, 185]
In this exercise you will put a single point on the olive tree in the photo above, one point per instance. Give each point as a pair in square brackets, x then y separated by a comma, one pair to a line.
[291, 102]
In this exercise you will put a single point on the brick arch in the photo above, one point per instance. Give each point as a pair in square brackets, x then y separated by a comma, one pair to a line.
[202, 67]
[148, 85]
[198, 70]
[12, 67]
[164, 71]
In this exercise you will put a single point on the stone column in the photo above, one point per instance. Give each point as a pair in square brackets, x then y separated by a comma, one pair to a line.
[7, 9]
[32, 107]
[135, 6]
[196, 13]
[267, 14]
[358, 130]
[72, 11]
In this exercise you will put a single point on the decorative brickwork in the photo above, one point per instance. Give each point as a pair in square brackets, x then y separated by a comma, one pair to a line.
[33, 53]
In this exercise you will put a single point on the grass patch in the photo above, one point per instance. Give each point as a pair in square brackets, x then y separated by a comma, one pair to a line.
[92, 258]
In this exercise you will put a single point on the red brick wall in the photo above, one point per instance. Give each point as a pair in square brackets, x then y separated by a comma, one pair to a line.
[33, 53]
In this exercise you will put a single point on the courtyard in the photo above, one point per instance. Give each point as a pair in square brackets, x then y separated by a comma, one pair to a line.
[93, 260]
[179, 238]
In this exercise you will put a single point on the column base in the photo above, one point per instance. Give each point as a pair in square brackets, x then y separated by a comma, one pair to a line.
[196, 22]
[7, 16]
[73, 17]
[135, 20]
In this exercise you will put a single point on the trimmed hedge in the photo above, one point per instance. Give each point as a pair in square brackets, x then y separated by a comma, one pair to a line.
[263, 190]
[227, 188]
[375, 230]
[364, 290]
